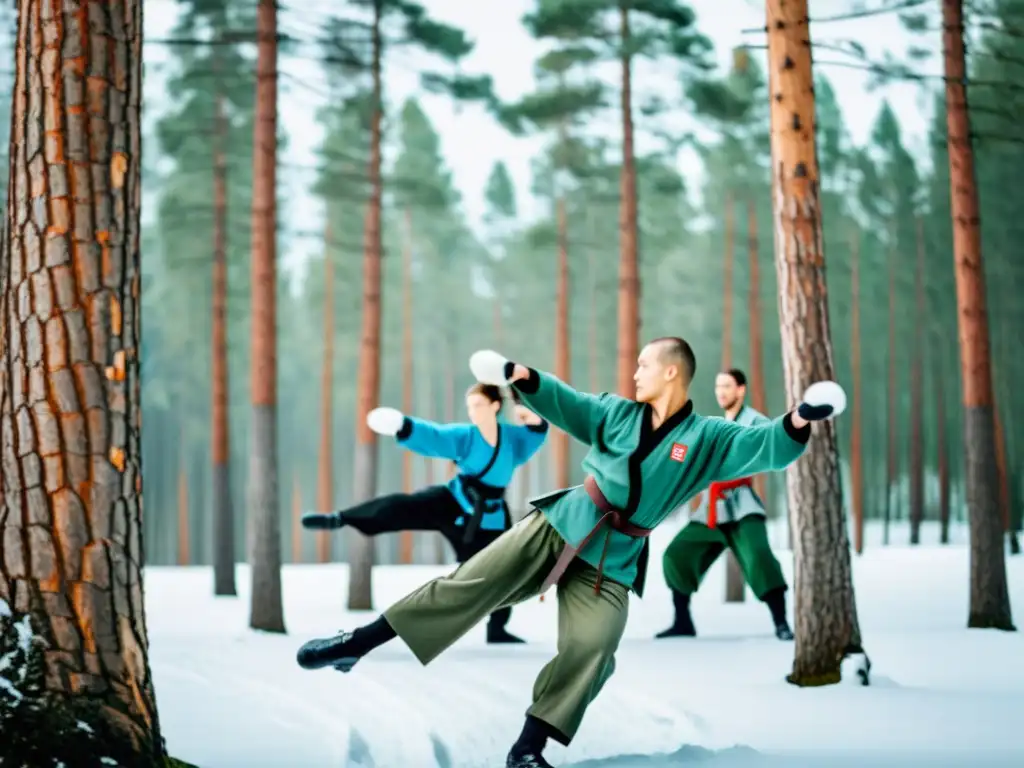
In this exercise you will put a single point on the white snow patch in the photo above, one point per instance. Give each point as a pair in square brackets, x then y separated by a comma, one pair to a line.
[940, 695]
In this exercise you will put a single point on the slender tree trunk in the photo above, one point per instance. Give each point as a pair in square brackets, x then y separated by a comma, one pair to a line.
[735, 586]
[361, 549]
[184, 528]
[990, 600]
[891, 400]
[559, 438]
[629, 275]
[296, 519]
[407, 543]
[942, 448]
[325, 458]
[266, 609]
[826, 611]
[856, 449]
[70, 396]
[220, 440]
[917, 395]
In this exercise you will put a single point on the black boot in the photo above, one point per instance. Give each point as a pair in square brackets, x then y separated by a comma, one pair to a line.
[683, 624]
[776, 602]
[528, 749]
[346, 648]
[496, 632]
[323, 521]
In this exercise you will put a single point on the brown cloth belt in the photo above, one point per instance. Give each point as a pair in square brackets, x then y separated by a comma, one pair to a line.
[616, 521]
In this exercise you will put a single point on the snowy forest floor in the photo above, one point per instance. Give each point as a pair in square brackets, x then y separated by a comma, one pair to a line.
[940, 696]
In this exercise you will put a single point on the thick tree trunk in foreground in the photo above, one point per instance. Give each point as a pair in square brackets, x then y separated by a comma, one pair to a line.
[990, 600]
[70, 396]
[856, 450]
[361, 549]
[826, 612]
[266, 610]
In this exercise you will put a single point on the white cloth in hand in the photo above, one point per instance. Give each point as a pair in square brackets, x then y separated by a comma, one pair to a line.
[488, 367]
[385, 421]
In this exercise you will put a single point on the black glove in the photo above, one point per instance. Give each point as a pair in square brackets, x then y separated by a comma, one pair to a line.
[320, 521]
[814, 412]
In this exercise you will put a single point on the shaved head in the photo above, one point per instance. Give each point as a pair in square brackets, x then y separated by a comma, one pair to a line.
[673, 350]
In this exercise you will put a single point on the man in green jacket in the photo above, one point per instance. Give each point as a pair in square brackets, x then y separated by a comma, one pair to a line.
[647, 456]
[730, 516]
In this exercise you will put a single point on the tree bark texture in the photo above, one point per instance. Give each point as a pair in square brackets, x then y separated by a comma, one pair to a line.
[825, 611]
[917, 394]
[989, 596]
[70, 395]
[220, 440]
[407, 543]
[325, 458]
[265, 611]
[563, 354]
[361, 548]
[856, 447]
[629, 275]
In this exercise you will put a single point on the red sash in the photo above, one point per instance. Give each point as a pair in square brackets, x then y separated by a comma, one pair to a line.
[717, 492]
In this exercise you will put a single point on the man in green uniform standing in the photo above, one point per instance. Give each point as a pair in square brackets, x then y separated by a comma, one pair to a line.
[730, 515]
[647, 456]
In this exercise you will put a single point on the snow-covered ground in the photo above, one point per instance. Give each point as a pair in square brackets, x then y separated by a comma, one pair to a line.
[941, 695]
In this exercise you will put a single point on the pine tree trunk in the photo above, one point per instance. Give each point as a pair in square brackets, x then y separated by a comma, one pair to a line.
[756, 384]
[361, 549]
[892, 397]
[220, 440]
[560, 439]
[942, 448]
[407, 544]
[856, 449]
[735, 586]
[917, 396]
[266, 610]
[70, 395]
[296, 519]
[989, 601]
[825, 611]
[629, 276]
[325, 457]
[184, 529]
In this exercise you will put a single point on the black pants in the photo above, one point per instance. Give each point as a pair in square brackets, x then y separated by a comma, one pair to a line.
[432, 509]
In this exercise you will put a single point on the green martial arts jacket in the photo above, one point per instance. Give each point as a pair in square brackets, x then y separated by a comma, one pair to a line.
[643, 472]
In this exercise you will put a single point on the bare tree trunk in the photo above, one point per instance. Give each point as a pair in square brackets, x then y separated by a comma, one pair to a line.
[70, 396]
[407, 544]
[560, 439]
[735, 586]
[296, 519]
[891, 486]
[917, 395]
[220, 440]
[266, 610]
[826, 612]
[361, 548]
[184, 528]
[325, 457]
[629, 275]
[990, 600]
[856, 448]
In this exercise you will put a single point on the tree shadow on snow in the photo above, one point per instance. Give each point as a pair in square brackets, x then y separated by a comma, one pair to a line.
[732, 757]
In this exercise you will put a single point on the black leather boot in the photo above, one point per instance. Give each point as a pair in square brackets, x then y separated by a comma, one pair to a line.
[683, 624]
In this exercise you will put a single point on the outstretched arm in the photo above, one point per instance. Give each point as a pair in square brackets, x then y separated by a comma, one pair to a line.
[529, 438]
[438, 441]
[768, 447]
[575, 412]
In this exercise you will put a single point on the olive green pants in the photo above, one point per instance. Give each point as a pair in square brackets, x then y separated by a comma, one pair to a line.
[509, 571]
[696, 547]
